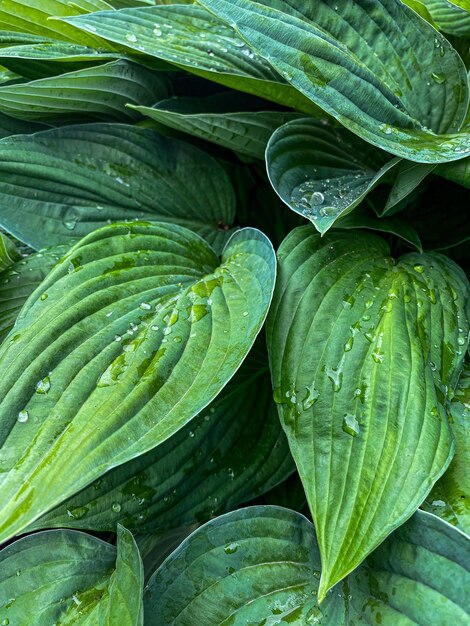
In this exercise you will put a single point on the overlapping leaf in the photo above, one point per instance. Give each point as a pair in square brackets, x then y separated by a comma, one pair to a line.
[363, 352]
[26, 16]
[355, 61]
[20, 279]
[99, 92]
[450, 497]
[449, 17]
[67, 182]
[126, 340]
[323, 172]
[67, 577]
[191, 38]
[234, 451]
[221, 120]
[261, 565]
[8, 252]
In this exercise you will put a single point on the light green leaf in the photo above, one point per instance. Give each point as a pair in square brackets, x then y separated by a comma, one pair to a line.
[99, 92]
[323, 172]
[18, 282]
[66, 577]
[220, 119]
[67, 182]
[449, 17]
[450, 496]
[320, 48]
[419, 8]
[191, 38]
[232, 452]
[126, 340]
[33, 16]
[363, 352]
[125, 605]
[261, 565]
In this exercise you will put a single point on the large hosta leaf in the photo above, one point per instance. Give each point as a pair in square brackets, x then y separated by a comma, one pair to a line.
[234, 451]
[363, 352]
[33, 16]
[221, 120]
[323, 172]
[67, 577]
[99, 92]
[450, 497]
[261, 565]
[11, 126]
[20, 279]
[354, 61]
[66, 182]
[191, 38]
[126, 340]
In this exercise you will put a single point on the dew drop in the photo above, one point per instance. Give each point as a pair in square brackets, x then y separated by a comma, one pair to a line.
[145, 306]
[43, 386]
[314, 616]
[44, 296]
[23, 416]
[231, 548]
[245, 313]
[131, 37]
[116, 507]
[418, 268]
[317, 198]
[350, 425]
[438, 78]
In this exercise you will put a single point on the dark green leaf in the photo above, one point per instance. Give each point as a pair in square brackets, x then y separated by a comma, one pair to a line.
[458, 172]
[261, 565]
[67, 182]
[11, 126]
[219, 120]
[19, 281]
[232, 452]
[127, 339]
[99, 92]
[363, 351]
[354, 61]
[408, 176]
[323, 172]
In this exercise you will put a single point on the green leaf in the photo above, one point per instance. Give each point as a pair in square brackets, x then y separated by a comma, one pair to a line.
[449, 17]
[320, 48]
[19, 280]
[230, 453]
[363, 351]
[261, 565]
[30, 16]
[67, 577]
[66, 182]
[99, 92]
[419, 8]
[323, 172]
[128, 338]
[154, 548]
[221, 120]
[458, 172]
[408, 177]
[11, 126]
[125, 605]
[450, 496]
[8, 252]
[191, 38]
[361, 218]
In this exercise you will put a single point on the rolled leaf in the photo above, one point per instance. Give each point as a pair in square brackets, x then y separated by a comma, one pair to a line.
[128, 338]
[354, 61]
[69, 181]
[364, 351]
[323, 172]
[67, 577]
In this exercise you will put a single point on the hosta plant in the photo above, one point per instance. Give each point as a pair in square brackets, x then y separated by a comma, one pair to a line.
[234, 312]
